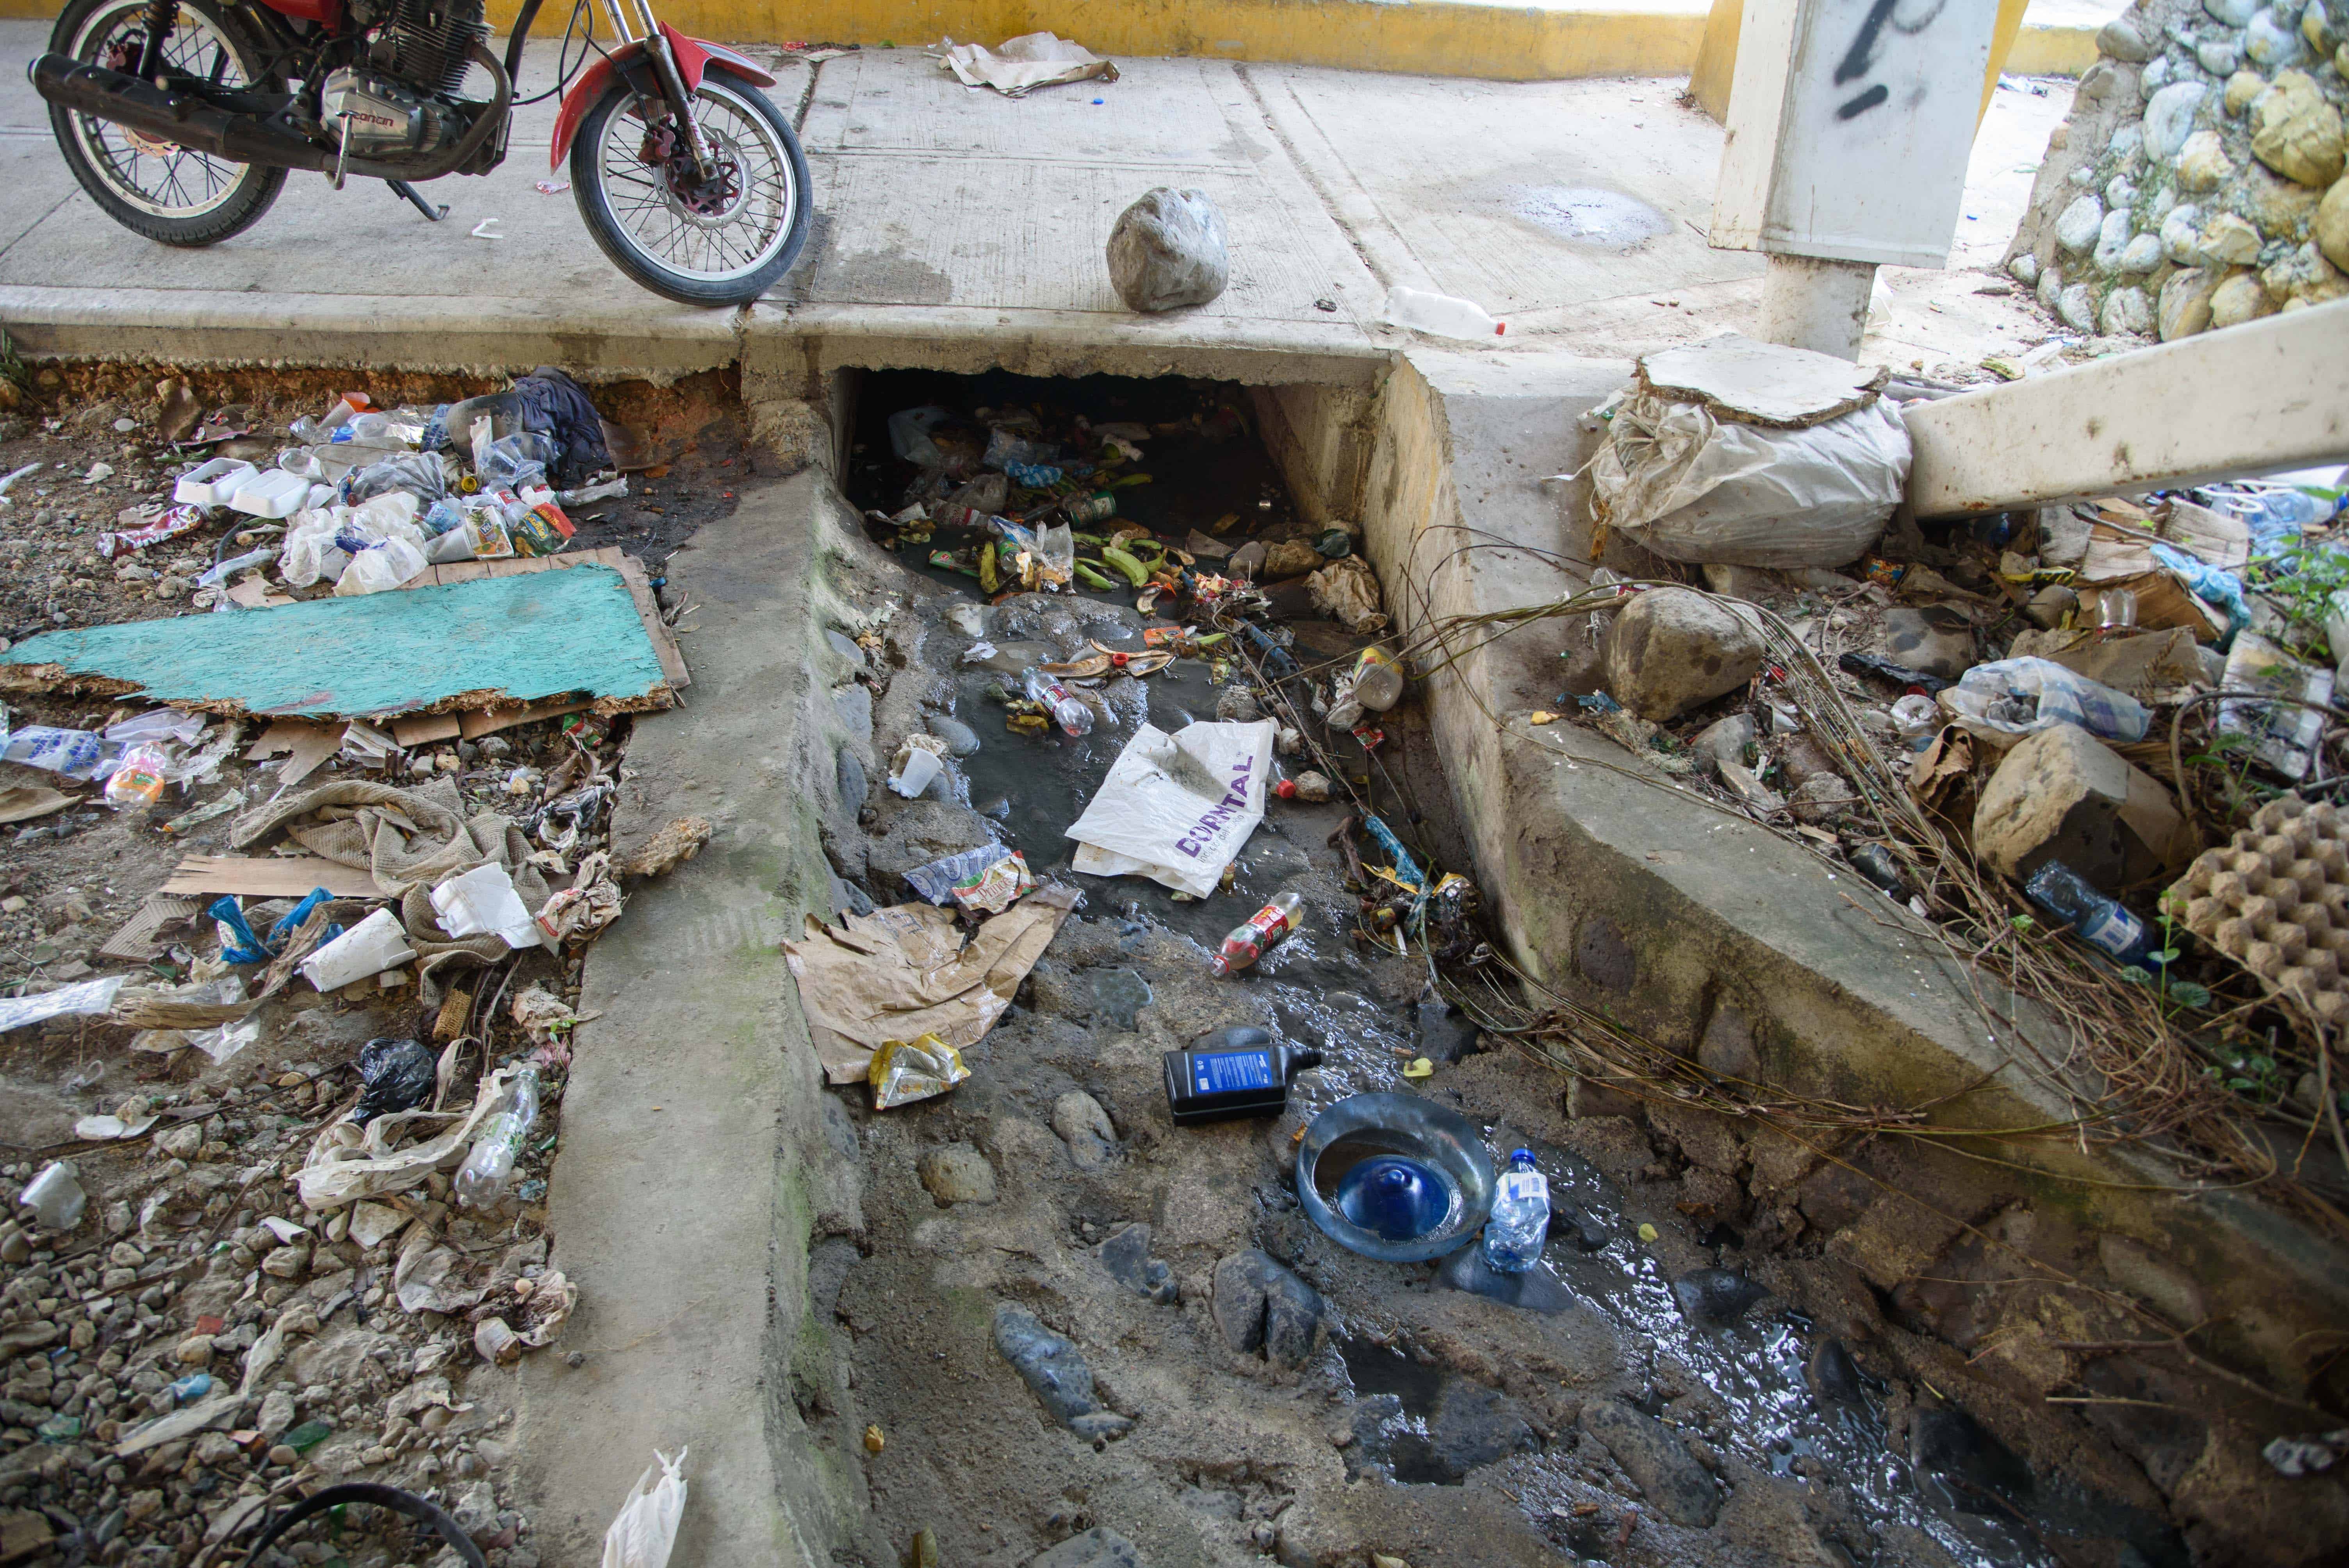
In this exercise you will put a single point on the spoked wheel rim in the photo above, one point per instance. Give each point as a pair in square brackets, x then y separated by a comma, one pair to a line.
[712, 232]
[159, 178]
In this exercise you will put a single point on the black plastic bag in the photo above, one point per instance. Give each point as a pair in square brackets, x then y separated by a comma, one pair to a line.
[399, 1076]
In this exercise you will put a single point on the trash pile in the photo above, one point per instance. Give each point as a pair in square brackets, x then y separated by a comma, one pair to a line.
[274, 1256]
[367, 497]
[2080, 698]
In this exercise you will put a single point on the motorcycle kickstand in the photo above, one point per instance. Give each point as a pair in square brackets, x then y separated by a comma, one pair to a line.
[402, 188]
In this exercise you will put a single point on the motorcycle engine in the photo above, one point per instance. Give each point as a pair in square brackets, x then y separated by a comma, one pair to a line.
[402, 100]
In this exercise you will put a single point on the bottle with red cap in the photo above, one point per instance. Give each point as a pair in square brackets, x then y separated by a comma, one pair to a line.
[1262, 932]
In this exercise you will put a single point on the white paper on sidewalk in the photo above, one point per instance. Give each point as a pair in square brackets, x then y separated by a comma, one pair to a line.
[1019, 66]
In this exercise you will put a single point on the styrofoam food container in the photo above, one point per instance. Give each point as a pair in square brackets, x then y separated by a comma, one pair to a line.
[272, 494]
[213, 483]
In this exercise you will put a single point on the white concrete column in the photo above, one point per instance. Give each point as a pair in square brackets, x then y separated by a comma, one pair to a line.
[1811, 302]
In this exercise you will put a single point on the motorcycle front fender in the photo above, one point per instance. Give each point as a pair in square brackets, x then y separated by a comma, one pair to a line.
[693, 57]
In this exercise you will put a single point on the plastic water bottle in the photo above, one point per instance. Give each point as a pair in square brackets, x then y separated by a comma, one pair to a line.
[481, 1181]
[1075, 717]
[1263, 930]
[2101, 923]
[1440, 315]
[1513, 1236]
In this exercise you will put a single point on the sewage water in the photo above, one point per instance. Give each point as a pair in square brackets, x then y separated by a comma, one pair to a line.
[1420, 1424]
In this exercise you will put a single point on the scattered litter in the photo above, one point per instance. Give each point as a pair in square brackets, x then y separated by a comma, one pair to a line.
[904, 971]
[1232, 1074]
[80, 1000]
[346, 1163]
[918, 765]
[903, 1071]
[481, 1181]
[643, 1533]
[366, 950]
[112, 1129]
[986, 881]
[481, 902]
[1177, 808]
[396, 1075]
[1776, 456]
[487, 229]
[56, 1196]
[551, 187]
[2021, 696]
[23, 803]
[1019, 66]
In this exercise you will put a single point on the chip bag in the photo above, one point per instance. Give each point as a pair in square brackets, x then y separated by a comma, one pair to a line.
[904, 1071]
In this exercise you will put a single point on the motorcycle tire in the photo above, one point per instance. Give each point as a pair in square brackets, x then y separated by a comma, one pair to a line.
[737, 286]
[82, 32]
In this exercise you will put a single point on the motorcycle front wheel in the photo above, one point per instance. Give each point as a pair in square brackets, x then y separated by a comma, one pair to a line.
[722, 240]
[160, 189]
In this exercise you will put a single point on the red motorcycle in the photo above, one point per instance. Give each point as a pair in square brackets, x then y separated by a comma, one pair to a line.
[181, 118]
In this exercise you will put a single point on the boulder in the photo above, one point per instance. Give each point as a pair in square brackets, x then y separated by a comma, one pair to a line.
[1935, 639]
[1656, 1460]
[2233, 13]
[1086, 1129]
[1722, 742]
[2240, 299]
[2182, 235]
[2202, 162]
[1259, 1305]
[2219, 57]
[2296, 132]
[2228, 240]
[2112, 238]
[2141, 254]
[2331, 228]
[2076, 307]
[2303, 274]
[958, 1173]
[2241, 88]
[2274, 43]
[2185, 304]
[1168, 251]
[1055, 1371]
[2120, 39]
[1672, 648]
[2126, 312]
[2080, 224]
[2273, 205]
[2169, 119]
[2061, 794]
[1126, 1256]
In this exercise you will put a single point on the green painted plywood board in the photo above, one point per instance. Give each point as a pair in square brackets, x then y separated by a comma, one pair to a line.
[516, 638]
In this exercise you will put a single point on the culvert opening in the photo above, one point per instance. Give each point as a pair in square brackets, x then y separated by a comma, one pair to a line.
[1196, 1364]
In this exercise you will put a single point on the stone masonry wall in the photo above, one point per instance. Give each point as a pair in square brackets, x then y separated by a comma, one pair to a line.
[2199, 182]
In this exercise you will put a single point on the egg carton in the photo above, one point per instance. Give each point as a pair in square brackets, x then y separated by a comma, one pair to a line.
[2276, 901]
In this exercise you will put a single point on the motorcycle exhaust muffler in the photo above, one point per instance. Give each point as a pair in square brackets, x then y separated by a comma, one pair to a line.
[180, 118]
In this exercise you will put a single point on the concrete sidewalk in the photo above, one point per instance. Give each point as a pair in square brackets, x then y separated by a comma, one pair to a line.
[951, 220]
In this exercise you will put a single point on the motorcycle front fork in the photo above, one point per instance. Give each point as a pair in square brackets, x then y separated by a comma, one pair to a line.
[162, 16]
[672, 80]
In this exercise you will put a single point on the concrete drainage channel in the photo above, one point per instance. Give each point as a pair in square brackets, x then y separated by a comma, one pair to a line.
[1737, 1350]
[1032, 1321]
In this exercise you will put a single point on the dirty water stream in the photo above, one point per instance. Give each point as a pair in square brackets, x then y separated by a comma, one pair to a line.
[1426, 1395]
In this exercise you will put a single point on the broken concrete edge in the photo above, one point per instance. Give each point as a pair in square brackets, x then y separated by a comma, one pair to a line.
[1670, 915]
[701, 1020]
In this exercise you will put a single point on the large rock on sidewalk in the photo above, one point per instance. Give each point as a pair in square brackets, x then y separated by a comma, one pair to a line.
[1168, 251]
[1672, 648]
[1259, 1305]
[2063, 795]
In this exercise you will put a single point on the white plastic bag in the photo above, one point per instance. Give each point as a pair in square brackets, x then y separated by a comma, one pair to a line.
[1177, 808]
[379, 567]
[1694, 488]
[645, 1531]
[2021, 696]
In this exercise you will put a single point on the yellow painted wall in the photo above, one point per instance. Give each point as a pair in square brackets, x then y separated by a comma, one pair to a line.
[1427, 37]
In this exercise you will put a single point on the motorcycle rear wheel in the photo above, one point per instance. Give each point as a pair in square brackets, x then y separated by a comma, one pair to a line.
[166, 192]
[736, 243]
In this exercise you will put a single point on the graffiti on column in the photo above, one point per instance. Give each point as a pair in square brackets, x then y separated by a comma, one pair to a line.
[1860, 59]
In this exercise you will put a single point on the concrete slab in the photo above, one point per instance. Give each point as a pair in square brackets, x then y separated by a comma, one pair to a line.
[698, 1155]
[940, 194]
[1531, 198]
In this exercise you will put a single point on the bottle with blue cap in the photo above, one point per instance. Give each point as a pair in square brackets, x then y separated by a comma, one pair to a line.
[1519, 1227]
